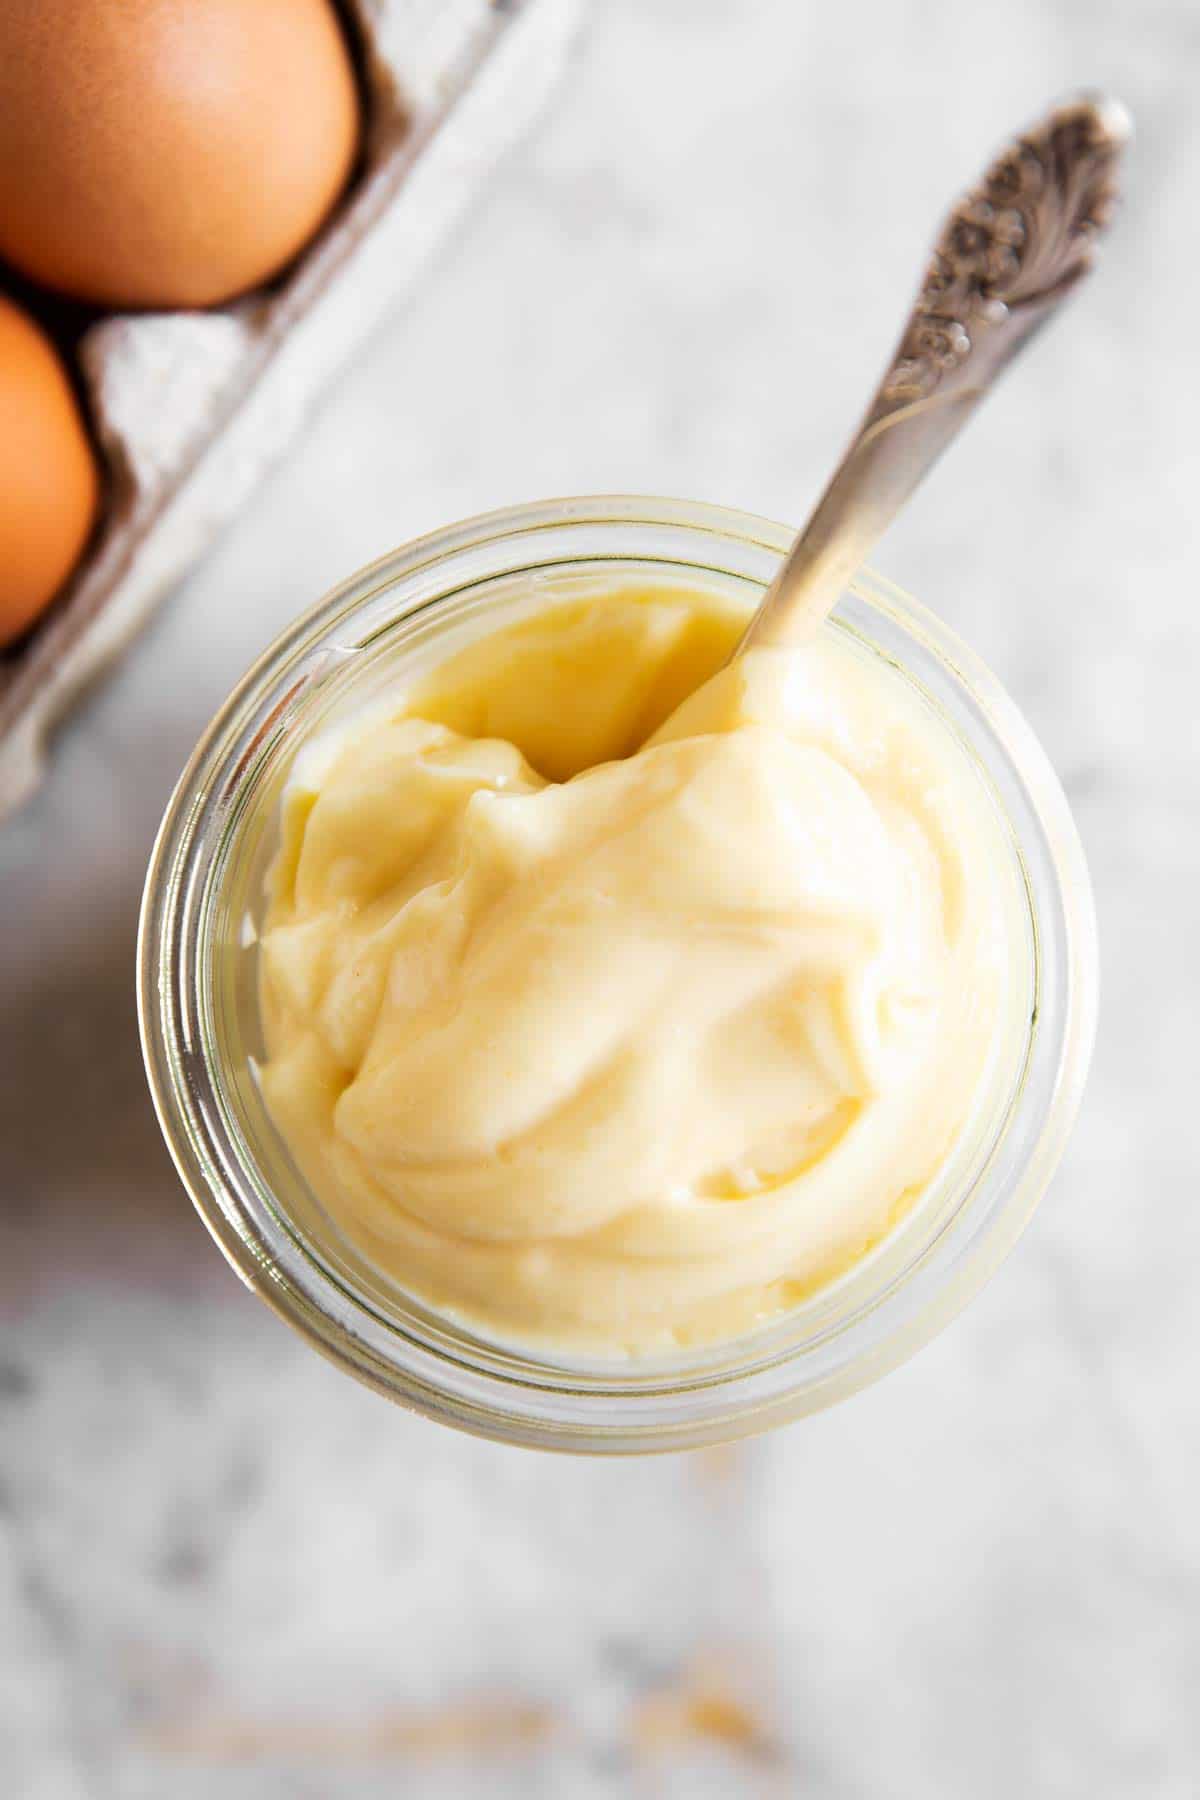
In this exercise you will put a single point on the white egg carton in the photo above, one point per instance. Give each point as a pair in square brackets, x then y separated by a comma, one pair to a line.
[192, 409]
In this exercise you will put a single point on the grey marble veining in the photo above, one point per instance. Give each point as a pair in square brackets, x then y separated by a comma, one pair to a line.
[225, 1568]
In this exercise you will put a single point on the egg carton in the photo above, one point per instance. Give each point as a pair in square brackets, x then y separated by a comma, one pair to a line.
[192, 409]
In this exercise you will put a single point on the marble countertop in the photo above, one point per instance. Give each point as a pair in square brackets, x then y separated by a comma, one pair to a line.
[226, 1568]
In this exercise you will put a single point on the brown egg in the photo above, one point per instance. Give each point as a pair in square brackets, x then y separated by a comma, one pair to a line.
[48, 481]
[169, 153]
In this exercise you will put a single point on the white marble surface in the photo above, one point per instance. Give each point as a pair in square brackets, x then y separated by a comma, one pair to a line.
[226, 1569]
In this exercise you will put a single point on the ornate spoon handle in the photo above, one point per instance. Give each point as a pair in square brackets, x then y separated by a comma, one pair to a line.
[1008, 253]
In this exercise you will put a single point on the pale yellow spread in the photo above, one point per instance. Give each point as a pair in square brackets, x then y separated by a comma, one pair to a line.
[616, 1033]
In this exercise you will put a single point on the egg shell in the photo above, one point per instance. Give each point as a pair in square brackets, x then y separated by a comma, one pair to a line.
[49, 485]
[169, 153]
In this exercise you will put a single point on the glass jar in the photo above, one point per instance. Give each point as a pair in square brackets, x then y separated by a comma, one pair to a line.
[201, 1033]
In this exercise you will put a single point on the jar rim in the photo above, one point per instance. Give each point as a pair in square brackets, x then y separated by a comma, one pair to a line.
[456, 1377]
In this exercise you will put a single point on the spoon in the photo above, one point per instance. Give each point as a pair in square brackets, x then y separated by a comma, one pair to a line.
[1008, 253]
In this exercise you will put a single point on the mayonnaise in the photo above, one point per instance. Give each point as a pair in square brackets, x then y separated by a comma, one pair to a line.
[618, 1027]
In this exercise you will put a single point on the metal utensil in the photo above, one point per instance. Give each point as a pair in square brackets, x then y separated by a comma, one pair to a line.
[1008, 253]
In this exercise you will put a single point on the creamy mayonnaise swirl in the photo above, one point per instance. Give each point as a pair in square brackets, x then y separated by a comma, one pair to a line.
[617, 1030]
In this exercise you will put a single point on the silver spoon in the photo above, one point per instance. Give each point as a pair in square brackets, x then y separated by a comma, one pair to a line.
[1009, 252]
